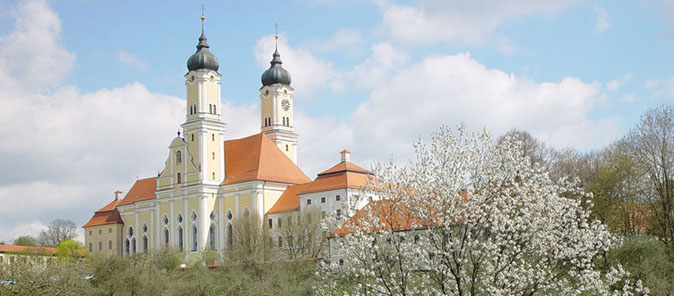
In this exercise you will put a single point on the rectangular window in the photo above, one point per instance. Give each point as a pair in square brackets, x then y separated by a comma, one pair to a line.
[109, 230]
[337, 197]
[308, 201]
[322, 199]
[271, 222]
[100, 246]
[109, 245]
[339, 213]
[279, 222]
[90, 233]
[100, 231]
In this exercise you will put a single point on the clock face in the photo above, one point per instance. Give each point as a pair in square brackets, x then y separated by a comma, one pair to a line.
[285, 104]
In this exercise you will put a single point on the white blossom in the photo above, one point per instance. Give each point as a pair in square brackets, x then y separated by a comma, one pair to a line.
[470, 217]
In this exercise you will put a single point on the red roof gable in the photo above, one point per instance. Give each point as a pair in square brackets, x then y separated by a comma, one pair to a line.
[343, 175]
[143, 189]
[257, 158]
[104, 218]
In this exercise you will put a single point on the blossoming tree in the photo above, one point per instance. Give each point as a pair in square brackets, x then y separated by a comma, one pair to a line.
[470, 217]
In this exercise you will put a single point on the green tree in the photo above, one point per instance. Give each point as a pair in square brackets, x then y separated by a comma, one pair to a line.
[70, 249]
[25, 240]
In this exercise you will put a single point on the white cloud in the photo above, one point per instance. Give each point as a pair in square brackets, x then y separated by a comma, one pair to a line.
[378, 67]
[661, 87]
[132, 60]
[602, 24]
[615, 84]
[629, 98]
[446, 90]
[66, 151]
[344, 39]
[31, 56]
[31, 228]
[308, 72]
[457, 20]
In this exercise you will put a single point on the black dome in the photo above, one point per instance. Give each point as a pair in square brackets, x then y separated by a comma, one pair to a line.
[276, 74]
[203, 58]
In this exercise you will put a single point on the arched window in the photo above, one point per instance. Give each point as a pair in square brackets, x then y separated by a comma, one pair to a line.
[286, 147]
[192, 137]
[228, 235]
[229, 215]
[144, 243]
[166, 237]
[178, 179]
[213, 155]
[213, 175]
[215, 111]
[181, 245]
[180, 218]
[194, 238]
[194, 216]
[179, 156]
[210, 108]
[127, 246]
[165, 220]
[211, 237]
[213, 137]
[133, 245]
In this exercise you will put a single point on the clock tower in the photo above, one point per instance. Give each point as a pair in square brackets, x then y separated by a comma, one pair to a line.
[276, 101]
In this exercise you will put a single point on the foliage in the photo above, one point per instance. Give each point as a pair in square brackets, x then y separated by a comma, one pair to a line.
[70, 249]
[647, 260]
[249, 239]
[651, 144]
[302, 235]
[472, 218]
[57, 231]
[39, 275]
[25, 240]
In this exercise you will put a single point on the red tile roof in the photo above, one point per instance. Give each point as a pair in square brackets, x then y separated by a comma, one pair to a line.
[27, 250]
[104, 218]
[340, 176]
[143, 189]
[257, 158]
[344, 166]
[389, 215]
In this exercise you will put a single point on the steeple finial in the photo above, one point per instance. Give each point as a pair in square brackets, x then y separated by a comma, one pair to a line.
[203, 18]
[276, 37]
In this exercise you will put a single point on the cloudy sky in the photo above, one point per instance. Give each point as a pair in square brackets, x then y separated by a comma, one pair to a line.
[92, 92]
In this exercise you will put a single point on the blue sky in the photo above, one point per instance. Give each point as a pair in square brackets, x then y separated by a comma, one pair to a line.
[93, 91]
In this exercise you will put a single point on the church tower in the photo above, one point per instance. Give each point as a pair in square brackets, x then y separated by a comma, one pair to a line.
[203, 129]
[276, 101]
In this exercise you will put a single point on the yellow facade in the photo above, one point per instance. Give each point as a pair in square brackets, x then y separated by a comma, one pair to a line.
[104, 239]
[191, 209]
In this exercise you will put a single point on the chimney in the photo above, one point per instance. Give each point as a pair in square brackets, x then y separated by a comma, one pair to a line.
[346, 155]
[117, 194]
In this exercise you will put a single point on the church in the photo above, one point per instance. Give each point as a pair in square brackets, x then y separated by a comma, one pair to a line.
[209, 181]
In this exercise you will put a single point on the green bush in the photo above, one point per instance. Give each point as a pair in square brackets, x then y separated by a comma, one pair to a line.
[647, 259]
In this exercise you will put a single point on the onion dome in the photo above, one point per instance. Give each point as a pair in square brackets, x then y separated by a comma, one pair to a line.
[276, 74]
[203, 58]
